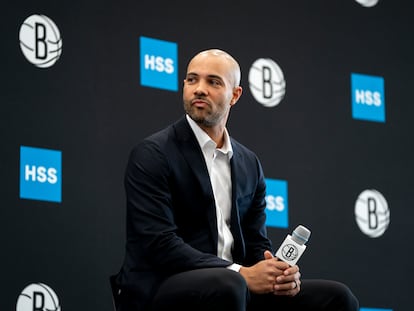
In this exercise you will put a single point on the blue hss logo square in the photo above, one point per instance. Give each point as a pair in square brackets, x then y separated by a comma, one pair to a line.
[276, 203]
[40, 174]
[158, 64]
[373, 309]
[368, 100]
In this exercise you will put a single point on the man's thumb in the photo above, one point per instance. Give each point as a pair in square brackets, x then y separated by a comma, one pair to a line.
[268, 255]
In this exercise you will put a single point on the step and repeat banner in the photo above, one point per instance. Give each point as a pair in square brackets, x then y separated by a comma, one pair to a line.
[326, 105]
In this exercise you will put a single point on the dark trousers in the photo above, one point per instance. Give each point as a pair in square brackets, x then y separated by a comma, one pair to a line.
[314, 295]
[221, 289]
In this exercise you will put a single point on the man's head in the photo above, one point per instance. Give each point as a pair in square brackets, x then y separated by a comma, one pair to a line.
[211, 87]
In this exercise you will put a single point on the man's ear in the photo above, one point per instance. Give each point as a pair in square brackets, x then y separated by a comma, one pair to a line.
[237, 92]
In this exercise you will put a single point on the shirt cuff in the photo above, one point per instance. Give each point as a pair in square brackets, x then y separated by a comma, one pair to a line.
[235, 267]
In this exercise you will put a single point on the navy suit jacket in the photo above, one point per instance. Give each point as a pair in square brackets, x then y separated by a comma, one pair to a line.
[171, 214]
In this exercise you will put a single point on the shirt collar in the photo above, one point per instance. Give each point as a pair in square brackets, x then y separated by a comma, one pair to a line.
[205, 141]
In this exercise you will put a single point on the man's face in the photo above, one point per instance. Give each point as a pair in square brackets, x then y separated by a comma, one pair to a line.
[208, 90]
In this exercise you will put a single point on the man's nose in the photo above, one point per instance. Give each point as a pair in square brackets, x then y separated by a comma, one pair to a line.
[201, 88]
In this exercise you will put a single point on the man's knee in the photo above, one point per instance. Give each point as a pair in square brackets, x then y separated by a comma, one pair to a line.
[233, 290]
[231, 282]
[345, 297]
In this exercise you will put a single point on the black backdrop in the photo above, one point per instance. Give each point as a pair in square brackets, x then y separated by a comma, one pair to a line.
[90, 106]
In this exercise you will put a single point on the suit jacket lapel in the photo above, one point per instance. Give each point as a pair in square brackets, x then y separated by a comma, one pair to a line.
[191, 151]
[239, 246]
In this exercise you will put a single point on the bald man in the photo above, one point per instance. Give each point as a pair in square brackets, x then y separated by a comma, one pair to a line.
[196, 234]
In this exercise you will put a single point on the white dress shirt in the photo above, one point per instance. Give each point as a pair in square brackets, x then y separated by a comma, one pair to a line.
[218, 164]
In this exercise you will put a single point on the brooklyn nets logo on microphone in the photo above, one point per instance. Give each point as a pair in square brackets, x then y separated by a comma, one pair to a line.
[40, 41]
[290, 252]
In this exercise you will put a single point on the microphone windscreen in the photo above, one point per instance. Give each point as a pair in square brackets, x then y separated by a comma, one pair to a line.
[301, 235]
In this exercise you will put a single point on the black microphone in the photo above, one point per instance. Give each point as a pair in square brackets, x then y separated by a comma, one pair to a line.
[293, 246]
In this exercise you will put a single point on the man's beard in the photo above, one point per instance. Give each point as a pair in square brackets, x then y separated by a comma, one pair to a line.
[204, 118]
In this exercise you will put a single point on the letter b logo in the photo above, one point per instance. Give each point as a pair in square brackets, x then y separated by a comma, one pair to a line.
[40, 41]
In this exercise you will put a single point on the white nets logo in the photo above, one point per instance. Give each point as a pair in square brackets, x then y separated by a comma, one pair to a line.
[40, 41]
[367, 3]
[371, 213]
[38, 297]
[290, 252]
[267, 83]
